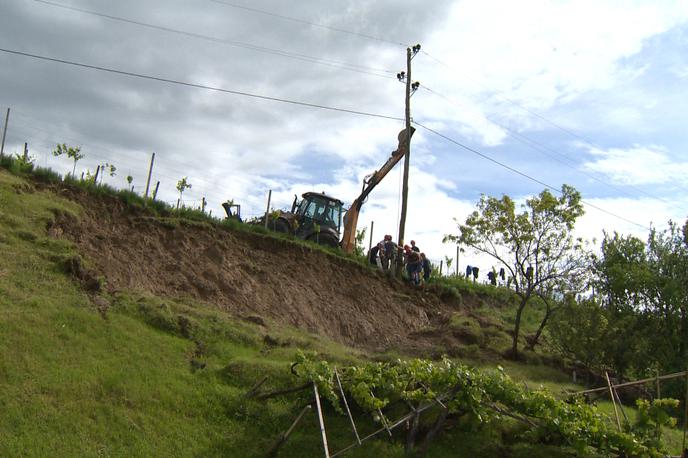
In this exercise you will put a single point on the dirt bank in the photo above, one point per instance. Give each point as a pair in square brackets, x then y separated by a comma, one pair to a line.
[246, 274]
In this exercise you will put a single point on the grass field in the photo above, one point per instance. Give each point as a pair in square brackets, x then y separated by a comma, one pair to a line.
[132, 374]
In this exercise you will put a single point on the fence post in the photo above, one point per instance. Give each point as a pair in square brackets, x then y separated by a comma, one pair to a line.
[267, 210]
[203, 205]
[372, 226]
[95, 179]
[150, 171]
[26, 152]
[441, 263]
[155, 193]
[4, 132]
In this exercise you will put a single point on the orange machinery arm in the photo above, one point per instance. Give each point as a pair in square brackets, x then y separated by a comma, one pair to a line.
[369, 183]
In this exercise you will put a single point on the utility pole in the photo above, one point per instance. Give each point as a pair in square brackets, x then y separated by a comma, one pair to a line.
[4, 132]
[410, 88]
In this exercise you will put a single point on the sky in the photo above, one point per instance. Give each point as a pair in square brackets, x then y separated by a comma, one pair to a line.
[525, 96]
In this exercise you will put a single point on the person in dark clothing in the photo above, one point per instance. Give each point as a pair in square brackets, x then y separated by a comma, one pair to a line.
[475, 273]
[427, 267]
[372, 255]
[414, 267]
[414, 247]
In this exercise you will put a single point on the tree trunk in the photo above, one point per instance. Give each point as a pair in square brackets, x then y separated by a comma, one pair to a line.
[548, 313]
[517, 327]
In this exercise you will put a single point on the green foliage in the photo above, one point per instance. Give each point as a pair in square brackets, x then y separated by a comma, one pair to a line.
[73, 153]
[478, 398]
[359, 245]
[536, 247]
[182, 185]
[652, 416]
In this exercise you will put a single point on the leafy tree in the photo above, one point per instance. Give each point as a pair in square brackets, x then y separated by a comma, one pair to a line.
[579, 332]
[183, 185]
[73, 153]
[644, 288]
[535, 246]
[130, 179]
[110, 169]
[359, 246]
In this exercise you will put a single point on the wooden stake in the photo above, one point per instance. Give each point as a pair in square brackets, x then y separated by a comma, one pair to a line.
[346, 404]
[618, 399]
[95, 179]
[372, 226]
[283, 438]
[321, 420]
[203, 205]
[611, 395]
[155, 193]
[150, 171]
[4, 133]
[267, 209]
[441, 262]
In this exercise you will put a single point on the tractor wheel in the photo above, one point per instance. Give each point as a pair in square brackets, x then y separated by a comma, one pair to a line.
[280, 226]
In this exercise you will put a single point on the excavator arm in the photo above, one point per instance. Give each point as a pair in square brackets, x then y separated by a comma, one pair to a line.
[369, 183]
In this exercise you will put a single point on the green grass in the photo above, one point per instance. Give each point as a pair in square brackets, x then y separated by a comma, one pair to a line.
[121, 375]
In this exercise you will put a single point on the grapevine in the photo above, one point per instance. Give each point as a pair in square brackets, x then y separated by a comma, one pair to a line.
[482, 397]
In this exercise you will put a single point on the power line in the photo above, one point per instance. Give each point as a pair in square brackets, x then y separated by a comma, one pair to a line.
[303, 57]
[546, 151]
[303, 21]
[518, 172]
[198, 86]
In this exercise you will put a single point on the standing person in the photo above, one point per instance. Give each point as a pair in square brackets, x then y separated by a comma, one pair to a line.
[414, 247]
[413, 266]
[426, 266]
[389, 247]
[373, 255]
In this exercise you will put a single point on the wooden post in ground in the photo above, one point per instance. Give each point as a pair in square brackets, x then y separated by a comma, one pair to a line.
[203, 205]
[155, 193]
[150, 171]
[95, 179]
[370, 243]
[611, 395]
[457, 261]
[4, 133]
[404, 188]
[26, 152]
[321, 421]
[441, 263]
[267, 209]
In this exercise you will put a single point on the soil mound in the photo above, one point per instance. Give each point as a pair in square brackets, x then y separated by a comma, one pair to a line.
[246, 274]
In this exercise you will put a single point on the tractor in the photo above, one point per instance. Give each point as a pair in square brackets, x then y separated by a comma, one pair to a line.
[317, 217]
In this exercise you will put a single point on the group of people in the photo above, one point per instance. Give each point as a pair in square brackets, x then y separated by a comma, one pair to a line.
[417, 265]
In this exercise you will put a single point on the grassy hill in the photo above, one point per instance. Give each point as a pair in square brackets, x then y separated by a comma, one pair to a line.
[99, 362]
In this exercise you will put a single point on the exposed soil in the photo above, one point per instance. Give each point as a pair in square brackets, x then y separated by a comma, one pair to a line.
[249, 274]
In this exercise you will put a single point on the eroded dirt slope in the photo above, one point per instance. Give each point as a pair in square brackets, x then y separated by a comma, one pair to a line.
[246, 274]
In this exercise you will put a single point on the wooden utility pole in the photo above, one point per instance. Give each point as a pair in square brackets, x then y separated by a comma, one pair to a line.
[404, 189]
[4, 132]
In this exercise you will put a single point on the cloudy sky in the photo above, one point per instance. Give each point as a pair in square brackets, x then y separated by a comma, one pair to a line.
[590, 93]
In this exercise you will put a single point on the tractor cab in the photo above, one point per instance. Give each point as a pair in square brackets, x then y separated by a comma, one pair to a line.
[318, 217]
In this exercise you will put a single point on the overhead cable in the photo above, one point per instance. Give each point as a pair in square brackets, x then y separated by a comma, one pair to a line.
[240, 44]
[525, 175]
[198, 86]
[303, 21]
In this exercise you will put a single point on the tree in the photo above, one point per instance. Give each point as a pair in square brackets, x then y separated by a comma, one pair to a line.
[182, 185]
[536, 246]
[359, 246]
[110, 169]
[644, 288]
[130, 179]
[73, 153]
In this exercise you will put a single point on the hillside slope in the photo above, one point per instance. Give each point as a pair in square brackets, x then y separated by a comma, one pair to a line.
[244, 273]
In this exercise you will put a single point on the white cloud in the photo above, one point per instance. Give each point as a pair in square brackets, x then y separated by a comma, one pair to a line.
[639, 165]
